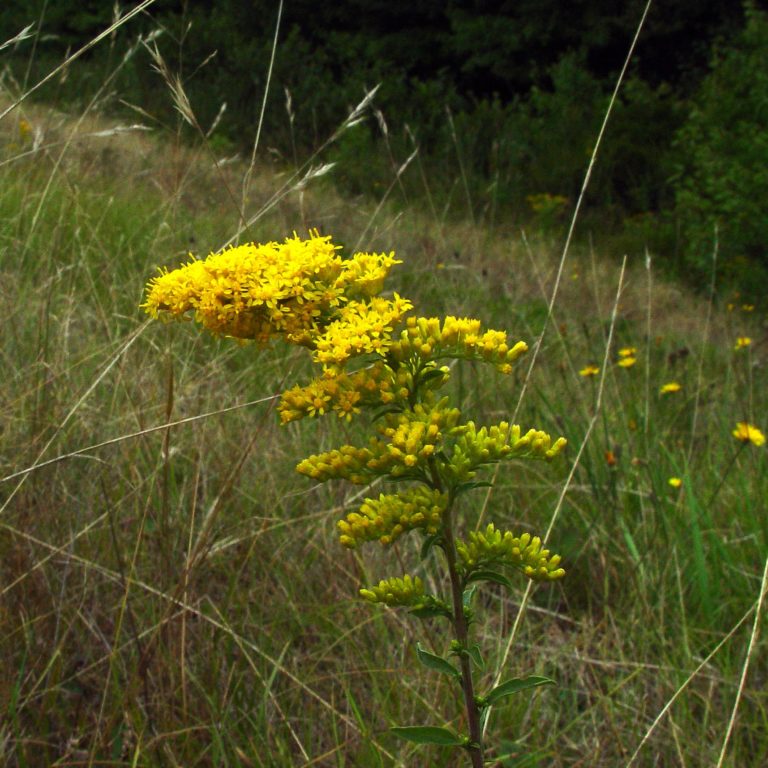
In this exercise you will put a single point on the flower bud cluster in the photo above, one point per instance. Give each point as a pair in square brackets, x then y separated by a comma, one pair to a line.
[388, 517]
[427, 339]
[406, 591]
[343, 393]
[294, 289]
[348, 462]
[414, 434]
[492, 547]
[476, 446]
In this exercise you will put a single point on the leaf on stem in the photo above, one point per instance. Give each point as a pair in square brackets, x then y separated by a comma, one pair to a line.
[429, 542]
[474, 653]
[430, 610]
[513, 686]
[438, 663]
[466, 599]
[494, 576]
[470, 486]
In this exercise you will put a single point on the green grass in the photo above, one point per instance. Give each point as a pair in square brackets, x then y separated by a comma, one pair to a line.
[177, 596]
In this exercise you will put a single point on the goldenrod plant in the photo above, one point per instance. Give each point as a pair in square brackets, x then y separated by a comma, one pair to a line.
[376, 357]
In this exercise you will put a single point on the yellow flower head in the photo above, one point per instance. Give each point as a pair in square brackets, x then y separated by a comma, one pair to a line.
[627, 362]
[627, 351]
[301, 290]
[670, 388]
[742, 342]
[589, 370]
[748, 433]
[675, 482]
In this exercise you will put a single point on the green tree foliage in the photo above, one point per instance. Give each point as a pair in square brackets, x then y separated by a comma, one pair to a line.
[722, 174]
[513, 91]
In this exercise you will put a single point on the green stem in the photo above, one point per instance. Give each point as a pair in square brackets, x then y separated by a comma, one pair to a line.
[461, 632]
[460, 629]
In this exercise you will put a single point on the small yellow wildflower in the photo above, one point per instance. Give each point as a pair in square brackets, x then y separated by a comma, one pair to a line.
[589, 370]
[670, 388]
[627, 362]
[742, 342]
[627, 351]
[747, 307]
[675, 482]
[748, 433]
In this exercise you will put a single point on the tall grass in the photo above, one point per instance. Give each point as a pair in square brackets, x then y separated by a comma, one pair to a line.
[172, 592]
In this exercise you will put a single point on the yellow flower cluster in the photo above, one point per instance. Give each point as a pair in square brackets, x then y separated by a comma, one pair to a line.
[489, 444]
[296, 289]
[412, 436]
[492, 547]
[340, 392]
[361, 328]
[348, 462]
[415, 434]
[427, 339]
[385, 519]
[394, 591]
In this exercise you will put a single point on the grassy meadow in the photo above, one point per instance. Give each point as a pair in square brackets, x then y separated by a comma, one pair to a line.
[173, 593]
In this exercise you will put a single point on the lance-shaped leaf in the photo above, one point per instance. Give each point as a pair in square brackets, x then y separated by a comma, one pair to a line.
[429, 542]
[466, 598]
[513, 686]
[494, 576]
[438, 663]
[429, 610]
[470, 486]
[429, 734]
[474, 653]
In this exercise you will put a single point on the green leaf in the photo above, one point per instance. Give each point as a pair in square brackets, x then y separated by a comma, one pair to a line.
[494, 576]
[466, 599]
[428, 734]
[470, 486]
[474, 653]
[430, 542]
[516, 684]
[432, 373]
[382, 412]
[430, 610]
[437, 663]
